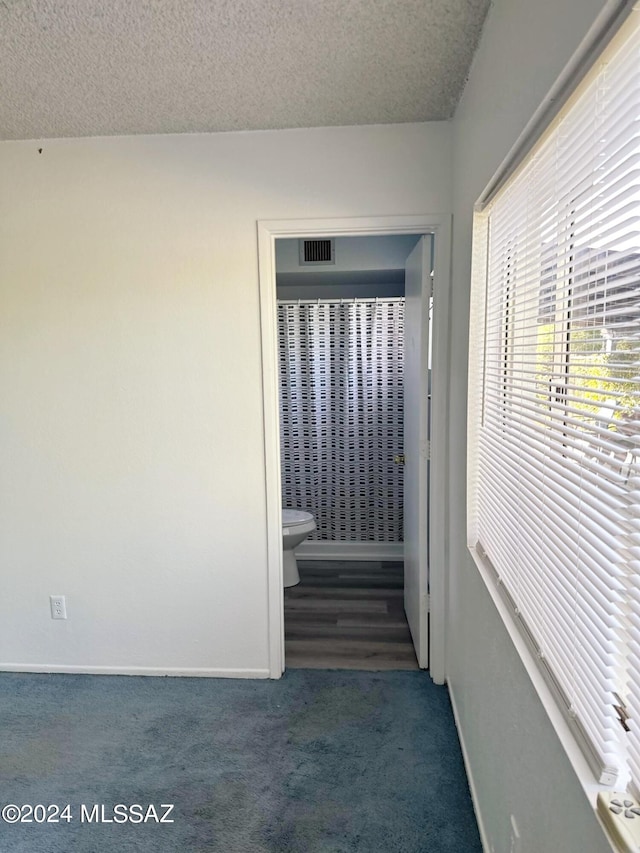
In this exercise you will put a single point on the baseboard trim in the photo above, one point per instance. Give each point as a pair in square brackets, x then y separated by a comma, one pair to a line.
[188, 672]
[320, 550]
[465, 757]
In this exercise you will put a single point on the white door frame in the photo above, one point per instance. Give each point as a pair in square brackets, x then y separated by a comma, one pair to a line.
[268, 231]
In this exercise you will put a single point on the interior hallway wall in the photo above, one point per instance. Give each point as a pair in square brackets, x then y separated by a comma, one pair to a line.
[132, 448]
[516, 761]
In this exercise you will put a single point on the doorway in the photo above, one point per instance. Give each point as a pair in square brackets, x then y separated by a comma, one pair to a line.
[341, 322]
[268, 232]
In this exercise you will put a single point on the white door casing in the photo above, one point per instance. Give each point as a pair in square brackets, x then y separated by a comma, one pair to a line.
[268, 231]
[417, 291]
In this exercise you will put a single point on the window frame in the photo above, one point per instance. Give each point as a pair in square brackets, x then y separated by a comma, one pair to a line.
[571, 83]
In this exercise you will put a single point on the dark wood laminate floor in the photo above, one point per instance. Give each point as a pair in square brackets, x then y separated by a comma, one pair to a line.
[347, 615]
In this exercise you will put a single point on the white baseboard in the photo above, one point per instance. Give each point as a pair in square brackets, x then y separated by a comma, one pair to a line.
[189, 672]
[465, 757]
[312, 549]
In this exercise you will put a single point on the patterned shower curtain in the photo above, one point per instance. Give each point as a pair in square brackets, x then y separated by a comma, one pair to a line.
[341, 401]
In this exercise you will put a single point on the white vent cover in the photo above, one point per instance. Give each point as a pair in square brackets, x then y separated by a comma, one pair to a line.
[317, 252]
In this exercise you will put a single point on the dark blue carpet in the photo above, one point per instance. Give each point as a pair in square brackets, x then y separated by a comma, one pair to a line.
[318, 761]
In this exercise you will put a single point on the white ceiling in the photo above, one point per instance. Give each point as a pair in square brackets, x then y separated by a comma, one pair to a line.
[105, 67]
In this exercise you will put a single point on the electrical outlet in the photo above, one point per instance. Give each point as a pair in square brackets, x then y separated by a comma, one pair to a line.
[58, 607]
[620, 813]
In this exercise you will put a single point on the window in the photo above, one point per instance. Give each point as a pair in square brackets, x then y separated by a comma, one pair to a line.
[555, 405]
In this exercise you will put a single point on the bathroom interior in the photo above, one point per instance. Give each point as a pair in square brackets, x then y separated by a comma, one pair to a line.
[341, 312]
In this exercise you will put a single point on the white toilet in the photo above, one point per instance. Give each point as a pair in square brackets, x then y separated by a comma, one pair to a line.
[296, 526]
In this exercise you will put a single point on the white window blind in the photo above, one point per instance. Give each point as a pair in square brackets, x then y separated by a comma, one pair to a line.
[555, 404]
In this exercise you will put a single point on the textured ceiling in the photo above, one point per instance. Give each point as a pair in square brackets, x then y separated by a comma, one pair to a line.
[104, 67]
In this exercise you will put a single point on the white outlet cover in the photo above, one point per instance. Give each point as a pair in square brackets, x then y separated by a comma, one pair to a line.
[58, 606]
[620, 813]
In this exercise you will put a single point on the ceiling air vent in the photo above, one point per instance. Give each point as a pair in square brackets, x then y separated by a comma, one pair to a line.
[317, 252]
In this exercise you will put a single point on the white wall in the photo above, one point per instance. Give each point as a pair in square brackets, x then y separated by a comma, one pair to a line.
[365, 267]
[131, 437]
[315, 287]
[516, 762]
[351, 253]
